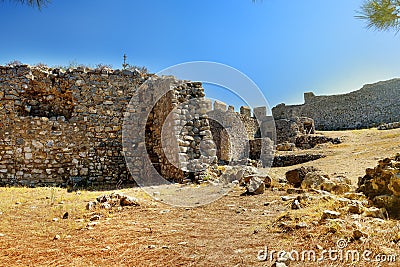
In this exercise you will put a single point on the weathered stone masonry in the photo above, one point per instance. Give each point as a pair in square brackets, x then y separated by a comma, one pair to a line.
[370, 106]
[239, 135]
[59, 127]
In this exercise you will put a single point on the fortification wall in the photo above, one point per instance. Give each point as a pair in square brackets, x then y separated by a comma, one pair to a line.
[109, 127]
[370, 106]
[60, 127]
[241, 135]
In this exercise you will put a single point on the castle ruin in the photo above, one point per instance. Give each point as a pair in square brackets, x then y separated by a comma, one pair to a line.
[60, 127]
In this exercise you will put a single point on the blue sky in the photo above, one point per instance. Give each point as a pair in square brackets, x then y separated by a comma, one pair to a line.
[285, 47]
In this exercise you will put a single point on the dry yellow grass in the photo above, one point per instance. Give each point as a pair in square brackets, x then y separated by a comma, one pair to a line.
[228, 232]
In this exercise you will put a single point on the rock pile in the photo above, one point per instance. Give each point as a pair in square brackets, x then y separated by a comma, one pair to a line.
[295, 177]
[382, 185]
[286, 146]
[312, 178]
[389, 126]
[112, 200]
[292, 159]
[256, 184]
[310, 141]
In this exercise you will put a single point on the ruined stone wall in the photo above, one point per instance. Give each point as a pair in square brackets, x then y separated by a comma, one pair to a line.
[59, 127]
[370, 106]
[287, 130]
[239, 135]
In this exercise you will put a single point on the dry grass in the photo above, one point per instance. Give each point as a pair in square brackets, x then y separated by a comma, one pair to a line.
[228, 232]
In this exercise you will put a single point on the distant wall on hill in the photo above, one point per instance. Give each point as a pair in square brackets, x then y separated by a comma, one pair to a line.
[367, 107]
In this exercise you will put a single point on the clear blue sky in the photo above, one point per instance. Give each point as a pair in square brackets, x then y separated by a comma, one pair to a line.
[285, 47]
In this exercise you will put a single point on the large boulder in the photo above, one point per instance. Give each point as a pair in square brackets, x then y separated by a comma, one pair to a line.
[315, 180]
[255, 186]
[236, 173]
[312, 178]
[382, 185]
[295, 177]
[321, 181]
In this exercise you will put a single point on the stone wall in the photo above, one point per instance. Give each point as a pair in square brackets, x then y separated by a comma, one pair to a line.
[239, 135]
[60, 127]
[370, 106]
[287, 130]
[112, 127]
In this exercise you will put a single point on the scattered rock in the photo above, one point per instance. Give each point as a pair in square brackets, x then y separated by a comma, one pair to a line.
[102, 199]
[91, 205]
[358, 234]
[328, 185]
[91, 224]
[354, 196]
[382, 185]
[129, 201]
[56, 237]
[296, 205]
[287, 198]
[295, 177]
[295, 191]
[301, 225]
[65, 216]
[165, 211]
[237, 173]
[279, 264]
[255, 186]
[321, 181]
[286, 146]
[343, 201]
[329, 214]
[95, 218]
[375, 213]
[356, 208]
[112, 200]
[315, 180]
[341, 188]
[240, 210]
[105, 205]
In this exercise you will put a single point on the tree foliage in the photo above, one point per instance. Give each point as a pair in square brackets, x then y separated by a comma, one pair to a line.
[34, 3]
[381, 15]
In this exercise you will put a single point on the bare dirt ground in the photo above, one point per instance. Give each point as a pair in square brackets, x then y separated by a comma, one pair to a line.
[228, 232]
